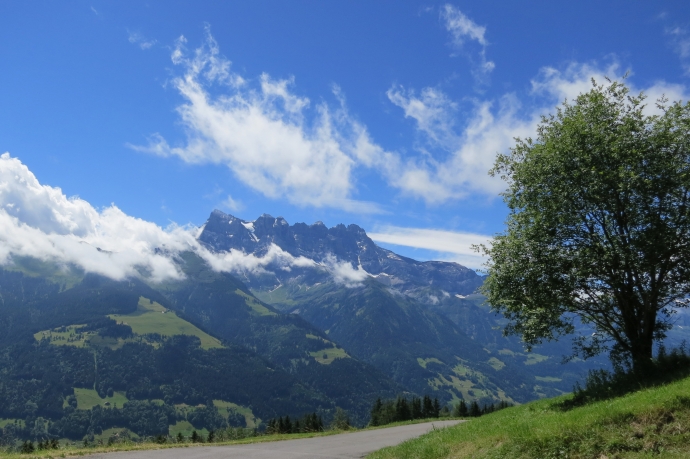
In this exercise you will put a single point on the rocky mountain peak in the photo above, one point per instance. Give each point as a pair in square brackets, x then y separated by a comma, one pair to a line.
[351, 243]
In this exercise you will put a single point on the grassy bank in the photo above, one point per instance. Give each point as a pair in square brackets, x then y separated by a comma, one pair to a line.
[650, 423]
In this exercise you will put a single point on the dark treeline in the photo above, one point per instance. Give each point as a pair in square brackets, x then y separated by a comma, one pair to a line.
[463, 410]
[307, 423]
[402, 409]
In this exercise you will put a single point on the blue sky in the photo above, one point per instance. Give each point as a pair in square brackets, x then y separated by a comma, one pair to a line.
[386, 114]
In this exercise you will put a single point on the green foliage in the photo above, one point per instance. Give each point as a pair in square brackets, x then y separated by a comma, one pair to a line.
[389, 411]
[307, 423]
[341, 421]
[603, 384]
[599, 225]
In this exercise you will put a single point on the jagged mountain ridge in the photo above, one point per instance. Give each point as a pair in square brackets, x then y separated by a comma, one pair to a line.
[223, 232]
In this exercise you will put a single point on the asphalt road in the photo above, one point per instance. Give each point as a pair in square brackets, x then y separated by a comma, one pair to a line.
[346, 445]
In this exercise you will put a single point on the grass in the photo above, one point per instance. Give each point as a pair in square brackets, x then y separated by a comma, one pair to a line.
[256, 307]
[88, 398]
[151, 317]
[496, 364]
[66, 336]
[533, 359]
[653, 422]
[424, 362]
[75, 449]
[185, 428]
[6, 422]
[327, 355]
[224, 408]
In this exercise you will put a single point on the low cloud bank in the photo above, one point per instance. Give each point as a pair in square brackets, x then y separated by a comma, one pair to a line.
[39, 221]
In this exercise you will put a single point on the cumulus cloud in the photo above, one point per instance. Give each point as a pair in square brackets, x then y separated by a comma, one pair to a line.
[343, 272]
[39, 221]
[462, 29]
[450, 245]
[273, 140]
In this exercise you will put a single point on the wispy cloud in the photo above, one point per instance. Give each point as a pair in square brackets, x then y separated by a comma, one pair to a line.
[234, 205]
[449, 245]
[272, 139]
[137, 38]
[284, 146]
[680, 39]
[463, 29]
[457, 167]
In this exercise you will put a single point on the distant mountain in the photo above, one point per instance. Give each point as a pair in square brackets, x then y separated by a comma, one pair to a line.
[421, 323]
[329, 319]
[223, 232]
[96, 354]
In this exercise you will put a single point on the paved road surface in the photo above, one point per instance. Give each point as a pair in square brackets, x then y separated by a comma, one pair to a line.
[347, 445]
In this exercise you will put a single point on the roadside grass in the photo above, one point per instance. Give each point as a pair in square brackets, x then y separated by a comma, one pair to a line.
[75, 449]
[653, 422]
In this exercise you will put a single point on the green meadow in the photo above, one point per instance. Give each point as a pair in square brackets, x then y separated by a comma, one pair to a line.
[151, 317]
[88, 398]
[650, 423]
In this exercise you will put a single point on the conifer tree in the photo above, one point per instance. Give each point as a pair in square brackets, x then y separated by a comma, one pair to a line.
[416, 408]
[437, 408]
[427, 407]
[475, 411]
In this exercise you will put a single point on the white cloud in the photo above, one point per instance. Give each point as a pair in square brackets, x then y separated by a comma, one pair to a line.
[680, 39]
[137, 38]
[231, 204]
[451, 245]
[39, 221]
[343, 272]
[458, 166]
[433, 111]
[272, 139]
[283, 146]
[462, 29]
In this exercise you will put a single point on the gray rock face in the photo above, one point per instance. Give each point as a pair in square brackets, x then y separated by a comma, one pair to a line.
[223, 232]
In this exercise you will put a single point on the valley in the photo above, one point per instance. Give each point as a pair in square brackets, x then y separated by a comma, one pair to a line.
[87, 357]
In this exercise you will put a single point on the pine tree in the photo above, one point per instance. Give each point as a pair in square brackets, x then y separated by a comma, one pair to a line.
[288, 425]
[416, 408]
[376, 412]
[427, 407]
[475, 411]
[402, 410]
[460, 410]
[437, 408]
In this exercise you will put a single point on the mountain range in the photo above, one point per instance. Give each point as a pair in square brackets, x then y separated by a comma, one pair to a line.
[306, 319]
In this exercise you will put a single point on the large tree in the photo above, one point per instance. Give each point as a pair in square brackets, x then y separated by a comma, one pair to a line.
[599, 225]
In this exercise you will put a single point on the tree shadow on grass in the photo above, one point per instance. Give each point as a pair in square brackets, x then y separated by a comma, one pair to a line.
[604, 385]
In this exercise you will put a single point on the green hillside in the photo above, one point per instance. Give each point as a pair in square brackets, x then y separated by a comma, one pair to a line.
[151, 317]
[423, 351]
[650, 423]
